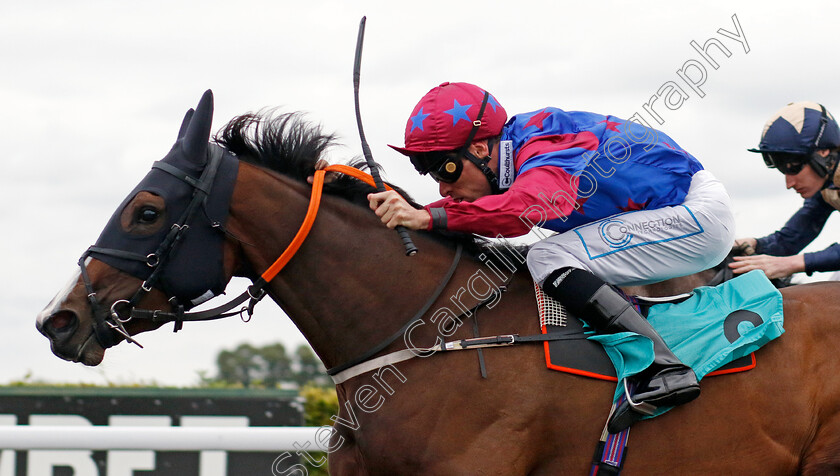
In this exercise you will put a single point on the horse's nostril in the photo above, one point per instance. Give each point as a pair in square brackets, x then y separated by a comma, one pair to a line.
[61, 321]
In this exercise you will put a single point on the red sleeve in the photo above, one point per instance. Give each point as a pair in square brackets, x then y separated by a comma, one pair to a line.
[536, 196]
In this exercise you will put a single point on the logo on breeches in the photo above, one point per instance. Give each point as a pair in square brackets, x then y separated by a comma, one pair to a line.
[615, 233]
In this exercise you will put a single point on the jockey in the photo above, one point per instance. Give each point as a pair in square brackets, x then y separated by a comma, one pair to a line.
[801, 140]
[629, 207]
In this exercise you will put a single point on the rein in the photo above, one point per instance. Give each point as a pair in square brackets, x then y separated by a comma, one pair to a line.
[112, 320]
[255, 292]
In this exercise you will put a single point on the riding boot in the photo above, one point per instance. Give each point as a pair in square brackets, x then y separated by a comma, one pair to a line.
[667, 382]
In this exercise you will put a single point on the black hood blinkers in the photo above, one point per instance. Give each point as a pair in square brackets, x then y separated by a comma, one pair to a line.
[184, 259]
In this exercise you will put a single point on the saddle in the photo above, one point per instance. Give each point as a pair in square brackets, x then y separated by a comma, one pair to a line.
[714, 329]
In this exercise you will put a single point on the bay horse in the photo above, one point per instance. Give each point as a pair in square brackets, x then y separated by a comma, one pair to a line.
[349, 287]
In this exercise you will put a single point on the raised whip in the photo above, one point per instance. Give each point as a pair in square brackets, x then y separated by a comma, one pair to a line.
[410, 249]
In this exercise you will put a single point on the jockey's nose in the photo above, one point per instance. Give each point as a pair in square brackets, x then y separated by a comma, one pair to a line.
[790, 181]
[445, 189]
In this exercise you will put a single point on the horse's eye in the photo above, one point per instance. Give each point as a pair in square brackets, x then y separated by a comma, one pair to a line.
[147, 215]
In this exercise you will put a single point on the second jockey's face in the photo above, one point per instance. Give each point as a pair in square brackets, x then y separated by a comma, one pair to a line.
[806, 183]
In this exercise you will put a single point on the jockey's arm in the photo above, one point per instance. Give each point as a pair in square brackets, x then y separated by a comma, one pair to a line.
[532, 200]
[799, 231]
[773, 266]
[778, 253]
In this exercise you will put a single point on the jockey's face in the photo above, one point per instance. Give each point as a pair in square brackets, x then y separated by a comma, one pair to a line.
[472, 184]
[806, 183]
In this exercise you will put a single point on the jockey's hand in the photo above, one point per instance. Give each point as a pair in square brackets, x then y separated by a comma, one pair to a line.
[773, 266]
[321, 165]
[393, 210]
[745, 245]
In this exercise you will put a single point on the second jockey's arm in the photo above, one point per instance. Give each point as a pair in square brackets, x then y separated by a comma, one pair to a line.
[394, 211]
[773, 266]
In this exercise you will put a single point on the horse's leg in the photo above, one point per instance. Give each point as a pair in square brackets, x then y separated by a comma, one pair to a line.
[444, 419]
[345, 459]
[342, 463]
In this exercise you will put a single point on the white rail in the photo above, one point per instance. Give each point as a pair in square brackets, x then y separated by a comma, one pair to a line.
[272, 439]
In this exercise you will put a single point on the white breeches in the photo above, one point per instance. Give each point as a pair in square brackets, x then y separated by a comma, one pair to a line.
[646, 246]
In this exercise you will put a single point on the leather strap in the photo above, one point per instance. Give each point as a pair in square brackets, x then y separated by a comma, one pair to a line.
[464, 344]
[385, 343]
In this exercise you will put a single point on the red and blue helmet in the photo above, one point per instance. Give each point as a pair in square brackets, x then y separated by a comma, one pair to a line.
[444, 119]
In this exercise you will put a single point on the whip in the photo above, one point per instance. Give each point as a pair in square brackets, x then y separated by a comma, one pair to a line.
[410, 249]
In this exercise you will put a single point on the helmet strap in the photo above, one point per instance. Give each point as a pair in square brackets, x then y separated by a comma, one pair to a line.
[819, 164]
[485, 169]
[825, 167]
[482, 164]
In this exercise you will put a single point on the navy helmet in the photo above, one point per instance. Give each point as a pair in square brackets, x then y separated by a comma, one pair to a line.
[794, 133]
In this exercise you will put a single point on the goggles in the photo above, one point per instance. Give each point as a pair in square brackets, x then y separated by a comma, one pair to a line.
[449, 171]
[446, 168]
[787, 163]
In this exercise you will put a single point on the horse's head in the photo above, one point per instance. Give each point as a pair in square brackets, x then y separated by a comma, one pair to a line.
[162, 250]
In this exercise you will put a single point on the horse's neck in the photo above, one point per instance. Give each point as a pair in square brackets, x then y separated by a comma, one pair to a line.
[350, 284]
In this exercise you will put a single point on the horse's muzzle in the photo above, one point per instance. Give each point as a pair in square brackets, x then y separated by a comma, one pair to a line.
[60, 328]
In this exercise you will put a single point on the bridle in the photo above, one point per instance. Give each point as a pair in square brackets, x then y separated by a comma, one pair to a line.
[108, 321]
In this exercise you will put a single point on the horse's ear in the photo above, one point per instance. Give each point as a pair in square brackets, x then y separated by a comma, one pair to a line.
[198, 130]
[185, 123]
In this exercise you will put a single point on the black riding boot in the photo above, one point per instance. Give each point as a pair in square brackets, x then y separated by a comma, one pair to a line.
[667, 382]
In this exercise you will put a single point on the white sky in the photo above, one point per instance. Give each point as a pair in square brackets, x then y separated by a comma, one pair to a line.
[92, 92]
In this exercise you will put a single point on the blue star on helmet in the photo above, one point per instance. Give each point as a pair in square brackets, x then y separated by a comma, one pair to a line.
[492, 102]
[417, 120]
[459, 112]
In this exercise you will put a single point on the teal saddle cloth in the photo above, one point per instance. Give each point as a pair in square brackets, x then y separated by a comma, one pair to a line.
[712, 328]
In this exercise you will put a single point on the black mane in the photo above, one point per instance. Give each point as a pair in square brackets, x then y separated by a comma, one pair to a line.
[287, 144]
